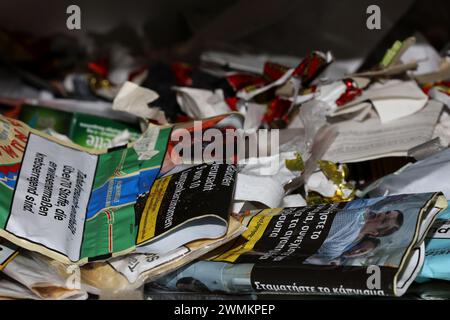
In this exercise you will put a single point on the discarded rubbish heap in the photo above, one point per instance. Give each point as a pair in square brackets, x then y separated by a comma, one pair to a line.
[229, 178]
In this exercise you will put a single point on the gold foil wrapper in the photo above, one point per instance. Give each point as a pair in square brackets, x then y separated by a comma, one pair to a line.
[295, 164]
[337, 174]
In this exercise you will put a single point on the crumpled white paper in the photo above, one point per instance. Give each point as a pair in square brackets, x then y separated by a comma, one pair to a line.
[135, 99]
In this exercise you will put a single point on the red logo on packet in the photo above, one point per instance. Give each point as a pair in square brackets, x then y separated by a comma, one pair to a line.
[274, 71]
[183, 73]
[8, 174]
[442, 86]
[351, 92]
[310, 68]
[241, 81]
[276, 110]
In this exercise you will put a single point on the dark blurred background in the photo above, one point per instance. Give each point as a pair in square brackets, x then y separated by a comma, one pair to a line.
[167, 28]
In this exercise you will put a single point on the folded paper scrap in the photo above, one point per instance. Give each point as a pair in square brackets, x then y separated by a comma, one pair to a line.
[364, 247]
[68, 203]
[371, 139]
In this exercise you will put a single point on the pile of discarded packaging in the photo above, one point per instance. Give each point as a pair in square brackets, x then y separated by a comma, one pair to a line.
[237, 177]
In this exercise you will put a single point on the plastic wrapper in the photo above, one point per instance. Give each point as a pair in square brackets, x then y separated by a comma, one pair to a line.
[11, 290]
[45, 278]
[427, 175]
[131, 272]
[312, 117]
